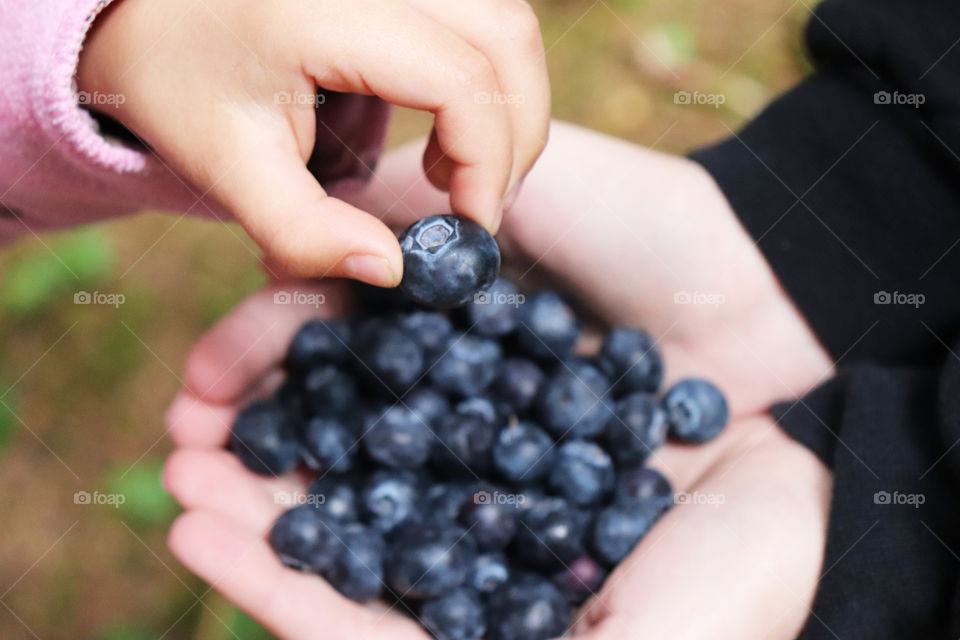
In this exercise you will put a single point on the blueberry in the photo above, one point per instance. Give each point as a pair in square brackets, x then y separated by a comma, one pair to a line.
[463, 445]
[329, 389]
[696, 410]
[387, 356]
[443, 501]
[468, 366]
[305, 539]
[357, 571]
[551, 534]
[289, 395]
[574, 401]
[641, 486]
[527, 608]
[431, 330]
[398, 438]
[458, 615]
[490, 570]
[517, 383]
[328, 445]
[618, 529]
[548, 327]
[390, 498]
[582, 473]
[523, 453]
[631, 359]
[580, 580]
[491, 523]
[427, 561]
[494, 312]
[336, 497]
[447, 259]
[638, 426]
[264, 437]
[319, 342]
[482, 407]
[428, 403]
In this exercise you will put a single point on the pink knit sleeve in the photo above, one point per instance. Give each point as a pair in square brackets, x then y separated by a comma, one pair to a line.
[56, 169]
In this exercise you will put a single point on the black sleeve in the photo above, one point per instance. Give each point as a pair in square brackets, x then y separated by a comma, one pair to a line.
[850, 183]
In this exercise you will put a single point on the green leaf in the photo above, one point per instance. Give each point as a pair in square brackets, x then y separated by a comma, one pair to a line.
[145, 501]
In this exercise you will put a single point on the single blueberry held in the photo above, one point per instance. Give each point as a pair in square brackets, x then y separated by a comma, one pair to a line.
[491, 523]
[523, 453]
[696, 410]
[427, 561]
[574, 403]
[551, 534]
[447, 259]
[517, 383]
[328, 445]
[631, 359]
[431, 329]
[398, 438]
[529, 607]
[582, 473]
[357, 571]
[581, 580]
[390, 498]
[494, 312]
[468, 366]
[336, 497]
[548, 327]
[463, 445]
[388, 357]
[618, 529]
[319, 342]
[458, 615]
[490, 570]
[305, 539]
[264, 437]
[329, 389]
[638, 427]
[640, 486]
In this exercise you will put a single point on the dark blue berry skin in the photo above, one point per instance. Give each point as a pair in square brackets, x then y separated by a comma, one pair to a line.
[432, 331]
[357, 571]
[548, 327]
[574, 402]
[463, 445]
[468, 366]
[428, 403]
[336, 497]
[490, 570]
[617, 531]
[494, 312]
[529, 607]
[581, 580]
[491, 524]
[427, 561]
[398, 438]
[458, 615]
[482, 407]
[319, 342]
[329, 389]
[289, 395]
[328, 445]
[582, 473]
[447, 259]
[305, 539]
[517, 383]
[442, 502]
[388, 357]
[696, 410]
[523, 453]
[551, 534]
[637, 428]
[631, 358]
[640, 486]
[390, 498]
[264, 437]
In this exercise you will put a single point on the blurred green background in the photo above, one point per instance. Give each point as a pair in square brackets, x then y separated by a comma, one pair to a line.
[83, 388]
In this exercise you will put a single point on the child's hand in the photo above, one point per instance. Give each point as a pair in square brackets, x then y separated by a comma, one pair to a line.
[202, 80]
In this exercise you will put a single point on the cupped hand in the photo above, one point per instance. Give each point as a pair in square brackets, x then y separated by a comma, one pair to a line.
[225, 92]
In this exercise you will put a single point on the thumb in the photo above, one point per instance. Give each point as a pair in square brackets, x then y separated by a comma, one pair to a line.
[307, 233]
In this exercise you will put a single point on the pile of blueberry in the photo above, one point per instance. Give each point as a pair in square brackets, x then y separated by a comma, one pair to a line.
[470, 467]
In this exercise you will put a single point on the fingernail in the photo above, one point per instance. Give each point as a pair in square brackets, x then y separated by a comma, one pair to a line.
[509, 200]
[375, 270]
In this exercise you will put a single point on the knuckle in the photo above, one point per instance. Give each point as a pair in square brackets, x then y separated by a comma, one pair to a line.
[476, 70]
[517, 21]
